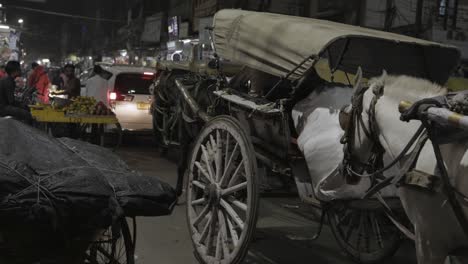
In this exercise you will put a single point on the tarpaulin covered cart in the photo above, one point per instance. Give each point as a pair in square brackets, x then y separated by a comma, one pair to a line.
[66, 201]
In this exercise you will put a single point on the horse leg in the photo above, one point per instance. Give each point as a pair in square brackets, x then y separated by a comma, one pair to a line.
[185, 147]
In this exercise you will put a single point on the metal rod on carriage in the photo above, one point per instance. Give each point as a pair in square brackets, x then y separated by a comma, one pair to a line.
[312, 57]
[191, 101]
[440, 115]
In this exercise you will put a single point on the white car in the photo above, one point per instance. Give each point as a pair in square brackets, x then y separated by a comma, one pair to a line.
[128, 95]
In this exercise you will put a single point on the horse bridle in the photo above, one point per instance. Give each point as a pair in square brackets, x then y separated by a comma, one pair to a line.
[354, 124]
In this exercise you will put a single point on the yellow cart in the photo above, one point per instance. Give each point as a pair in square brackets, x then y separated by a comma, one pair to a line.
[46, 114]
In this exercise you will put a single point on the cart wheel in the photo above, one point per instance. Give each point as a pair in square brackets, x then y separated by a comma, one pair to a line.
[366, 235]
[222, 192]
[115, 246]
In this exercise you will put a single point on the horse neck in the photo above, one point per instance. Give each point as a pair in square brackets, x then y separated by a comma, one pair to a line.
[395, 134]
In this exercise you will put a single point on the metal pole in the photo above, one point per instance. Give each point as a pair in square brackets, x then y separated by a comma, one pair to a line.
[447, 6]
[455, 15]
[191, 102]
[388, 14]
[419, 10]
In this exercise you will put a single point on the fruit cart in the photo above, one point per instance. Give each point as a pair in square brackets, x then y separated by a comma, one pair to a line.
[48, 115]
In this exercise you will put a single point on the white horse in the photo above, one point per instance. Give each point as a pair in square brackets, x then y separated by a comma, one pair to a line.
[437, 232]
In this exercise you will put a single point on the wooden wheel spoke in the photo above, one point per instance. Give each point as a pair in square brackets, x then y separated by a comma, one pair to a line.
[226, 152]
[213, 144]
[209, 149]
[232, 213]
[227, 168]
[219, 156]
[202, 214]
[344, 217]
[238, 204]
[233, 232]
[214, 220]
[203, 171]
[223, 231]
[360, 230]
[199, 185]
[367, 231]
[235, 176]
[219, 246]
[376, 230]
[233, 189]
[206, 159]
[206, 228]
[351, 227]
[199, 201]
[209, 237]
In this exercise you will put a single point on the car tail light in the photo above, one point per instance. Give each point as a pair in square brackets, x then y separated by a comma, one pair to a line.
[115, 96]
[112, 96]
[148, 73]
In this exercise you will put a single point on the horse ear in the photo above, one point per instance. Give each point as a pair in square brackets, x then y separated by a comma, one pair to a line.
[384, 74]
[357, 80]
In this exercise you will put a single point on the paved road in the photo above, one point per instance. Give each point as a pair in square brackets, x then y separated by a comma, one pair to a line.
[282, 237]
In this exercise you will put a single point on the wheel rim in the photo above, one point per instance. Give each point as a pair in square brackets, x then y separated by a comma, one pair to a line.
[221, 204]
[366, 235]
[110, 248]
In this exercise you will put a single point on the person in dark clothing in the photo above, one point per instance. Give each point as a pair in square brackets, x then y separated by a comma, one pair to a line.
[8, 105]
[72, 85]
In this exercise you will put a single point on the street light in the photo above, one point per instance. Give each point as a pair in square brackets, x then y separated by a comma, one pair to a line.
[21, 22]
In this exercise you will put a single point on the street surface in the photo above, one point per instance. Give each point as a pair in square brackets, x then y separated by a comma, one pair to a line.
[283, 236]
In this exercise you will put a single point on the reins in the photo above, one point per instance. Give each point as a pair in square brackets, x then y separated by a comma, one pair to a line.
[424, 132]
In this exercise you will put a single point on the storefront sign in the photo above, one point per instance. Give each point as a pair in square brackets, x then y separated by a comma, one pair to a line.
[173, 27]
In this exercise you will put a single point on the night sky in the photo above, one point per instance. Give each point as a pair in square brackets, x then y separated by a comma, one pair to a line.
[44, 34]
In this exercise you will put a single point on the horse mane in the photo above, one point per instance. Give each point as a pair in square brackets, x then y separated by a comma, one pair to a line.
[407, 88]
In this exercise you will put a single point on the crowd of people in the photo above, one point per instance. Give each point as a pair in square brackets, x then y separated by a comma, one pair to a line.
[38, 86]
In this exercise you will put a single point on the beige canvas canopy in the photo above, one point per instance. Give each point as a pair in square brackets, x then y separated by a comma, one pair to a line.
[277, 44]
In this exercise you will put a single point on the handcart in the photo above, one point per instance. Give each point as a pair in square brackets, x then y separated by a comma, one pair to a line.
[49, 116]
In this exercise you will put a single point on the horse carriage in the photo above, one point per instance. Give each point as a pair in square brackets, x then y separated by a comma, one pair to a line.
[280, 117]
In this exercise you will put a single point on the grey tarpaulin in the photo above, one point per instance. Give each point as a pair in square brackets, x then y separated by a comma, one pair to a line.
[49, 180]
[276, 44]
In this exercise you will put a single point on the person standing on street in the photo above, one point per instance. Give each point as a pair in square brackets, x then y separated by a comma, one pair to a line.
[2, 71]
[39, 81]
[72, 85]
[96, 86]
[8, 106]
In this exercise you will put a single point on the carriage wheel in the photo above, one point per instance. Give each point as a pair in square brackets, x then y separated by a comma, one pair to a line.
[115, 246]
[222, 192]
[366, 235]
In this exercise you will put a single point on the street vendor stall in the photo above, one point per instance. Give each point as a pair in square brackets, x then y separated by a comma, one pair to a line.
[87, 116]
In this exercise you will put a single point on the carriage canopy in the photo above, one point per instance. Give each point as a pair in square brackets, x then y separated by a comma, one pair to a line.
[277, 44]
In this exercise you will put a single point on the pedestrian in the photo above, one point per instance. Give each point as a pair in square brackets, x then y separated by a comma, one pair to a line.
[39, 82]
[30, 72]
[8, 105]
[72, 85]
[2, 71]
[96, 86]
